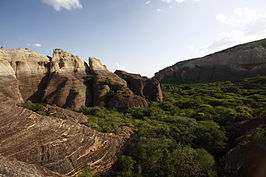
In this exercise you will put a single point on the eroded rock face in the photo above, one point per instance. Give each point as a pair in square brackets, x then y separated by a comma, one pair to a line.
[58, 80]
[235, 63]
[112, 90]
[26, 66]
[142, 86]
[45, 145]
[64, 83]
[96, 64]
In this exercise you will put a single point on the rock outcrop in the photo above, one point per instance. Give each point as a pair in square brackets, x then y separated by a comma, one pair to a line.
[142, 86]
[64, 83]
[67, 81]
[58, 80]
[112, 90]
[235, 63]
[248, 157]
[44, 145]
[58, 144]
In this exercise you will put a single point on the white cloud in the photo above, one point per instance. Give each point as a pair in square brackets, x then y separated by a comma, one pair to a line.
[35, 45]
[121, 67]
[246, 25]
[63, 4]
[241, 16]
[147, 2]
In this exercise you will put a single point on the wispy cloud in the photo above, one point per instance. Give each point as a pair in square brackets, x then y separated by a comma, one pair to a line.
[147, 2]
[64, 4]
[244, 25]
[35, 45]
[247, 25]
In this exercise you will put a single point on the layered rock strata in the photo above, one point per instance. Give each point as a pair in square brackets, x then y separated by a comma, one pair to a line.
[54, 145]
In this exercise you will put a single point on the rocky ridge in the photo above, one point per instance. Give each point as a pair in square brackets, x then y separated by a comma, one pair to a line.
[246, 60]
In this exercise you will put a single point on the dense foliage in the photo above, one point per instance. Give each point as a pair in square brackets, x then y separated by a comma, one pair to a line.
[184, 136]
[36, 107]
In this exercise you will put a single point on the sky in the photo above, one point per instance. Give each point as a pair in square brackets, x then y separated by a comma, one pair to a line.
[139, 36]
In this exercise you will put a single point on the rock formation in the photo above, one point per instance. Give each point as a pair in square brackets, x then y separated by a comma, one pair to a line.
[112, 90]
[67, 81]
[57, 145]
[235, 63]
[45, 145]
[57, 80]
[142, 86]
[63, 83]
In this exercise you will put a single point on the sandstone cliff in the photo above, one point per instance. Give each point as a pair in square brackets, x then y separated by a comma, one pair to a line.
[57, 145]
[235, 63]
[67, 81]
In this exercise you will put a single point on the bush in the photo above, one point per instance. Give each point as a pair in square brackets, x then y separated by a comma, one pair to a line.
[36, 107]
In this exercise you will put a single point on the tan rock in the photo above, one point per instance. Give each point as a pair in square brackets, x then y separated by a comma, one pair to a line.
[96, 64]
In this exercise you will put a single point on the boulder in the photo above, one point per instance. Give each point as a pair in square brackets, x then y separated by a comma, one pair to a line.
[142, 86]
[248, 157]
[247, 160]
[111, 90]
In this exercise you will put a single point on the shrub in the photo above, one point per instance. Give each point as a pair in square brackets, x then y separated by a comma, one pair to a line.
[36, 107]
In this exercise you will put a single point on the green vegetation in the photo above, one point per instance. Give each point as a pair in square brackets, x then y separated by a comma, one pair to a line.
[256, 43]
[185, 135]
[256, 134]
[36, 107]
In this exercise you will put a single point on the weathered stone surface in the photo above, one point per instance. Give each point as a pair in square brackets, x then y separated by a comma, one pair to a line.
[64, 84]
[58, 80]
[65, 114]
[58, 144]
[232, 64]
[13, 168]
[26, 66]
[247, 160]
[123, 101]
[142, 86]
[112, 90]
[96, 64]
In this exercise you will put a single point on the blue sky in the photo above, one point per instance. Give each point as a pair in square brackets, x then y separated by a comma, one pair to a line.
[141, 36]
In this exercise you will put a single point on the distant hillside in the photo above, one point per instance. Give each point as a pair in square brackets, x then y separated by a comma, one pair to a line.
[245, 60]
